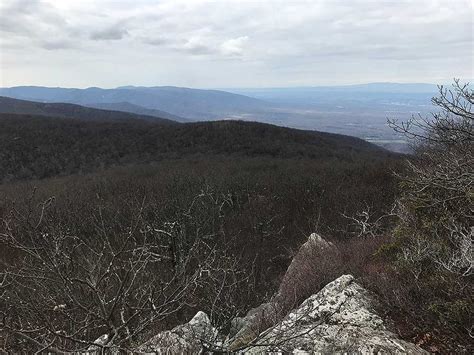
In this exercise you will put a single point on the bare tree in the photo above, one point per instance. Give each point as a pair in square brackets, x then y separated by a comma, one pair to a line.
[65, 289]
[452, 126]
[436, 205]
[366, 223]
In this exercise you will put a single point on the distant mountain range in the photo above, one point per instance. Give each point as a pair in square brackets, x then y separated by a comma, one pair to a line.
[65, 110]
[167, 101]
[185, 104]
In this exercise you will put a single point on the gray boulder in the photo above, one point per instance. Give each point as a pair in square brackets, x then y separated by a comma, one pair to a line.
[338, 319]
[310, 258]
[188, 338]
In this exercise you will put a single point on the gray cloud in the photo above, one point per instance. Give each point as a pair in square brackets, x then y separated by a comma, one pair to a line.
[115, 32]
[155, 41]
[57, 44]
[236, 42]
[28, 16]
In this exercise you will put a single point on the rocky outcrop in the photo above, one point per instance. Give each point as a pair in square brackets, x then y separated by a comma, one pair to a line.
[189, 338]
[314, 244]
[338, 319]
[315, 257]
[294, 283]
[245, 329]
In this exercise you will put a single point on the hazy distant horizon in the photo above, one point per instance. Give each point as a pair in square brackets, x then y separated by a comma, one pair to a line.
[225, 88]
[348, 85]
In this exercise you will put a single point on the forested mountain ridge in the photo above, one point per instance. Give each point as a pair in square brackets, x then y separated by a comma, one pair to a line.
[66, 110]
[128, 107]
[38, 146]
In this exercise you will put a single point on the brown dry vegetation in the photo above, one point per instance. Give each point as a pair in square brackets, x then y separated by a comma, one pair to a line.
[254, 212]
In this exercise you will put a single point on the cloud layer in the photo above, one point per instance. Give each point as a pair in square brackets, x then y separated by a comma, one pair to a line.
[233, 43]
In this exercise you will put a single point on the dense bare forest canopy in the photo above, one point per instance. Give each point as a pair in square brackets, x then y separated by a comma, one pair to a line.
[38, 147]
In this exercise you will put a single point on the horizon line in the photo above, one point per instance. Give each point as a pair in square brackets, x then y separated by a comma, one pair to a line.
[223, 88]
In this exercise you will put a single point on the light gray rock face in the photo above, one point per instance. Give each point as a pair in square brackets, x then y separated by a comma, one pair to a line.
[187, 338]
[338, 319]
[315, 245]
[260, 318]
[245, 329]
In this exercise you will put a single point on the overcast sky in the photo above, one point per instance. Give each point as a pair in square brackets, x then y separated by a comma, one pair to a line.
[108, 43]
